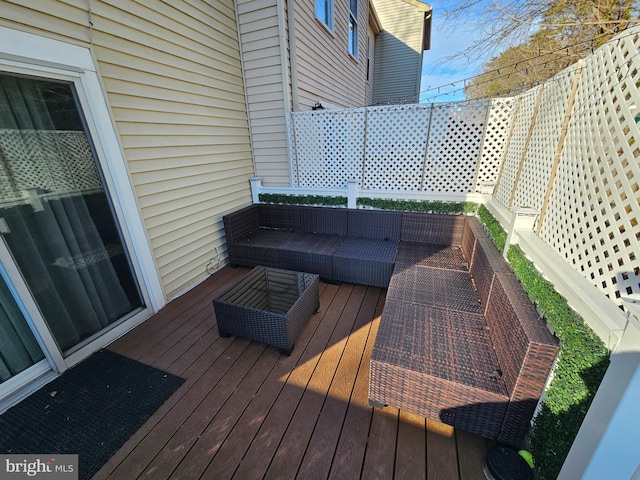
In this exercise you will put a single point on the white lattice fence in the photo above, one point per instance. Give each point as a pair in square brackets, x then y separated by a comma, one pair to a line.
[454, 146]
[410, 148]
[593, 216]
[525, 112]
[546, 132]
[494, 141]
[51, 161]
[327, 148]
[396, 144]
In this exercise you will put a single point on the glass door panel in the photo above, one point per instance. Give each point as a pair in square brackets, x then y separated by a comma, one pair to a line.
[19, 349]
[57, 219]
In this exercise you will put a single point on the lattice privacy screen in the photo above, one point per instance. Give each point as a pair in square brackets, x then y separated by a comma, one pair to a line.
[327, 147]
[593, 216]
[524, 114]
[494, 141]
[433, 148]
[396, 144]
[49, 161]
[454, 146]
[543, 144]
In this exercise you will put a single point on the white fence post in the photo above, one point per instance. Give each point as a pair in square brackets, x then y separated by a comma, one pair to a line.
[351, 193]
[256, 187]
[524, 218]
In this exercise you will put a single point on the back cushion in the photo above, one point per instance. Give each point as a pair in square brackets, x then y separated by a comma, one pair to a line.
[374, 224]
[486, 262]
[471, 231]
[432, 228]
[281, 217]
[332, 221]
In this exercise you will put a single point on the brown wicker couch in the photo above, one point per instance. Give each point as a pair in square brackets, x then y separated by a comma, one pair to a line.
[459, 340]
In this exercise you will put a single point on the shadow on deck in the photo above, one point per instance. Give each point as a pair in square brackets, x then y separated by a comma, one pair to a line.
[246, 412]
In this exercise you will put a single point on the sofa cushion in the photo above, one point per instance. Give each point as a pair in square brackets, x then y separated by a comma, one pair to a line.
[434, 287]
[364, 260]
[430, 255]
[310, 252]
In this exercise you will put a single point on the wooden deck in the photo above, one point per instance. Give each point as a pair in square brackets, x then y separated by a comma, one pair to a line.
[245, 412]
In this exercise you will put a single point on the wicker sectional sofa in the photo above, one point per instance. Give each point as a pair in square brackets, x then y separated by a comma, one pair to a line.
[458, 341]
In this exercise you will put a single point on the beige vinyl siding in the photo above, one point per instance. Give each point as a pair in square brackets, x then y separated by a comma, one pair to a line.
[398, 53]
[326, 71]
[173, 80]
[263, 61]
[67, 21]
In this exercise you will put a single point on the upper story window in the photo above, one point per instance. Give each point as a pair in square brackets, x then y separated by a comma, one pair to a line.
[324, 12]
[353, 28]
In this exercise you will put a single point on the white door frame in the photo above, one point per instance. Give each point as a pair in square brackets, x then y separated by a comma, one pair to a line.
[34, 55]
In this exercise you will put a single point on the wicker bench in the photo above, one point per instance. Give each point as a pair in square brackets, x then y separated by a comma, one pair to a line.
[459, 340]
[339, 245]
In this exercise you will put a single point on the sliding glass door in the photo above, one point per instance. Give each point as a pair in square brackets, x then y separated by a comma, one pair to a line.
[19, 349]
[56, 218]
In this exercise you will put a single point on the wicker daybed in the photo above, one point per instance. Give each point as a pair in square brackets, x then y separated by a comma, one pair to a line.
[458, 341]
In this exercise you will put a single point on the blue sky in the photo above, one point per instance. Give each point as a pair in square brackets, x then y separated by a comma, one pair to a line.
[447, 40]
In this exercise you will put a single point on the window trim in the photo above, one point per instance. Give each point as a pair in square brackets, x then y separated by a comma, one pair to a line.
[352, 33]
[328, 24]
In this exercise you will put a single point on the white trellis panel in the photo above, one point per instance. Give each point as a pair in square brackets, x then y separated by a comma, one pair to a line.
[517, 144]
[49, 161]
[545, 137]
[328, 147]
[494, 141]
[593, 217]
[395, 147]
[454, 146]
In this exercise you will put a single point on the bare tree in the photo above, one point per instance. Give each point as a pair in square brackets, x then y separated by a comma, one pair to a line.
[529, 41]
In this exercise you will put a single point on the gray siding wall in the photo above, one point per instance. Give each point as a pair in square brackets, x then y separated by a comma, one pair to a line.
[326, 71]
[398, 53]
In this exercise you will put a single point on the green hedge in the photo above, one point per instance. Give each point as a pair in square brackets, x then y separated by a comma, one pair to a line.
[419, 206]
[582, 362]
[302, 199]
[493, 226]
[401, 205]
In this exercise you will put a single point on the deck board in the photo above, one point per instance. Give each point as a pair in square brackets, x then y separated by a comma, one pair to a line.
[247, 412]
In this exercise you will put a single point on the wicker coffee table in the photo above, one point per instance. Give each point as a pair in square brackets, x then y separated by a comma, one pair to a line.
[269, 305]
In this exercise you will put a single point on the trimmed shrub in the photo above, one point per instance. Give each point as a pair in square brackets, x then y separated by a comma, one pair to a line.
[302, 199]
[450, 208]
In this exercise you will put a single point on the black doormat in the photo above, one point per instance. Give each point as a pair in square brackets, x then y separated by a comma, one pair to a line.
[90, 410]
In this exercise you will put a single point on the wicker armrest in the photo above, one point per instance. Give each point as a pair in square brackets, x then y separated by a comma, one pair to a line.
[525, 348]
[240, 224]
